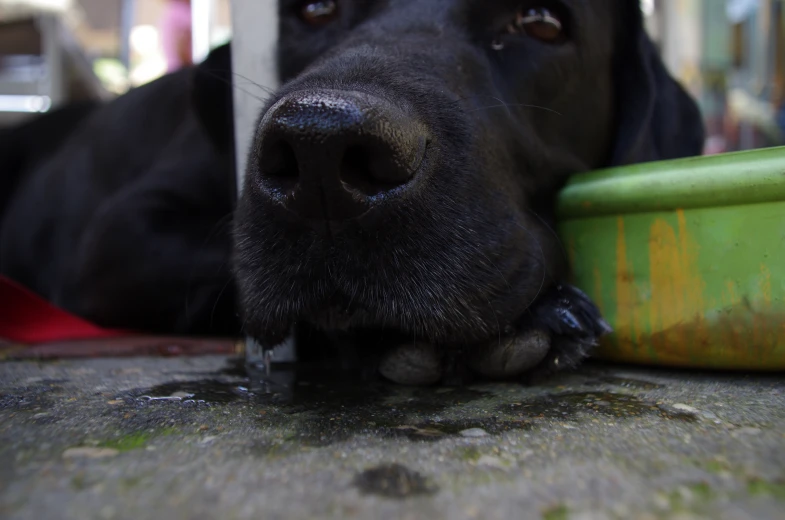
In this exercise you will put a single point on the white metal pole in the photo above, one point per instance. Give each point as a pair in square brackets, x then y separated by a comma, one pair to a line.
[254, 41]
[201, 25]
[127, 8]
[49, 25]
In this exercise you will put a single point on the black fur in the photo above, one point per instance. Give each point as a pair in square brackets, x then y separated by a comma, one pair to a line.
[461, 254]
[129, 223]
[24, 147]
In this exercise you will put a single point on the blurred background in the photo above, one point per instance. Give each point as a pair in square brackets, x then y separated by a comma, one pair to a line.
[729, 53]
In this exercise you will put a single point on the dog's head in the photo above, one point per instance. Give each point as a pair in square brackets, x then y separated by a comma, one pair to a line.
[404, 175]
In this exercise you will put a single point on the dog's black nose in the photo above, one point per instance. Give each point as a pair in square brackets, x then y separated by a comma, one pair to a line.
[331, 154]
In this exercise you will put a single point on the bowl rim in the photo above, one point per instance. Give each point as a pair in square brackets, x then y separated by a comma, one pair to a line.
[729, 179]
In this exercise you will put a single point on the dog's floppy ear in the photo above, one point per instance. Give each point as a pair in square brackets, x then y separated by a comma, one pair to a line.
[211, 97]
[656, 118]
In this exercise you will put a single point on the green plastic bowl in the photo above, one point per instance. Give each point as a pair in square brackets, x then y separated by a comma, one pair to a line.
[685, 258]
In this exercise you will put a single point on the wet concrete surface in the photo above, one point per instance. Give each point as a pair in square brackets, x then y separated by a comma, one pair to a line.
[197, 438]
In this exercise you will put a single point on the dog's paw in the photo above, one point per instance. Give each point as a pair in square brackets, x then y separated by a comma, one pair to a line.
[510, 356]
[416, 363]
[576, 327]
[558, 333]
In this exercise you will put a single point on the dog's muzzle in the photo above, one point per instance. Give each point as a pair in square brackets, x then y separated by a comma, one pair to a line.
[332, 155]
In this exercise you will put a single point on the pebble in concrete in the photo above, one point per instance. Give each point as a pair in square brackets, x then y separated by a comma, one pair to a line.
[474, 432]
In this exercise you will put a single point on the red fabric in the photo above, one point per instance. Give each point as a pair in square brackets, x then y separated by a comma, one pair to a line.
[27, 318]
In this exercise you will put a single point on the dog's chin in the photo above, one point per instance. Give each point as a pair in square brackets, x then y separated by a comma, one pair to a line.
[443, 323]
[336, 318]
[444, 288]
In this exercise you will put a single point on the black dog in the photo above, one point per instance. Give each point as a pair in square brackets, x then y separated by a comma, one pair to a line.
[25, 147]
[401, 183]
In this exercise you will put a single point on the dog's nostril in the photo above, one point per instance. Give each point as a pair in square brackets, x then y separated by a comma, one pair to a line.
[279, 164]
[373, 168]
[356, 170]
[330, 154]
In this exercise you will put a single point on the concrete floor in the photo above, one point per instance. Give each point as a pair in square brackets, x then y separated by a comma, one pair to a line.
[91, 439]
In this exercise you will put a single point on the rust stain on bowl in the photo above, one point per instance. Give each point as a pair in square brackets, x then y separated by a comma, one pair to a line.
[597, 275]
[724, 342]
[668, 318]
[701, 286]
[629, 323]
[676, 285]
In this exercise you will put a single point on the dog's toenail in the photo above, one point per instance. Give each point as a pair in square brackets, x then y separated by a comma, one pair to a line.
[511, 357]
[497, 45]
[412, 364]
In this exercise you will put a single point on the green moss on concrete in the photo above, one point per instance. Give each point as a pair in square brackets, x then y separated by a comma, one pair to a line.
[775, 489]
[690, 495]
[79, 482]
[467, 453]
[702, 491]
[717, 466]
[559, 512]
[136, 440]
[130, 483]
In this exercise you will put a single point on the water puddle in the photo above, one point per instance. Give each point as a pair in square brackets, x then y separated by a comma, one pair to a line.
[319, 405]
[36, 395]
[574, 405]
[177, 396]
[625, 382]
[208, 391]
[393, 481]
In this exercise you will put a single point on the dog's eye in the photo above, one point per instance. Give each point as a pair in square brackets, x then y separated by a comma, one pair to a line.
[540, 22]
[319, 13]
